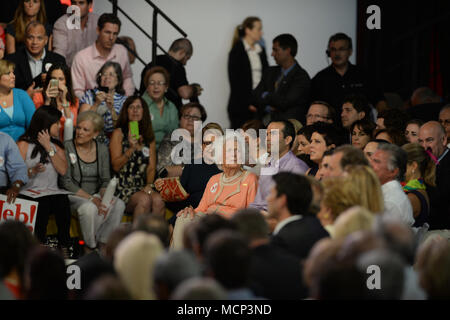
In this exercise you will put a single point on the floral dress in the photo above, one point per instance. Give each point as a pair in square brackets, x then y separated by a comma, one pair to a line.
[133, 175]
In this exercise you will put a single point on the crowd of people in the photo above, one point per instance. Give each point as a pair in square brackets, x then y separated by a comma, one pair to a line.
[322, 179]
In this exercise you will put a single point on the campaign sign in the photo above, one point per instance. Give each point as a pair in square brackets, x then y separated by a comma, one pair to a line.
[21, 210]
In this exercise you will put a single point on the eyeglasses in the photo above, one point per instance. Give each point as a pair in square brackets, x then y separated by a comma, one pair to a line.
[189, 117]
[109, 74]
[157, 83]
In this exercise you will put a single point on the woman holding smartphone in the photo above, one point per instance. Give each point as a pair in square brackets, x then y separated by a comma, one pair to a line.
[59, 94]
[134, 159]
[108, 98]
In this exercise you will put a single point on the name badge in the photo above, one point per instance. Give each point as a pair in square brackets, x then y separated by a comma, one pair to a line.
[2, 162]
[152, 116]
[146, 151]
[73, 158]
[214, 187]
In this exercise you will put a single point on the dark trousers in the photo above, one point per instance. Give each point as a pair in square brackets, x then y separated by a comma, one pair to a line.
[58, 205]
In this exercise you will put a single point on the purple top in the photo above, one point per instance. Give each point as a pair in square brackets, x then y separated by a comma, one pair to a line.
[290, 163]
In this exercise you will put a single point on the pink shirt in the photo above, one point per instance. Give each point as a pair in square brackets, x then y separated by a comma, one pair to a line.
[88, 62]
[227, 198]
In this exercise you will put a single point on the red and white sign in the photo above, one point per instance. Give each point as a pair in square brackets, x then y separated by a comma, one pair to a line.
[21, 210]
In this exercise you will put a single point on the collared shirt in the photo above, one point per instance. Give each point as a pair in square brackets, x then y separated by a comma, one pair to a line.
[286, 221]
[67, 42]
[88, 62]
[11, 162]
[255, 62]
[396, 203]
[290, 163]
[35, 65]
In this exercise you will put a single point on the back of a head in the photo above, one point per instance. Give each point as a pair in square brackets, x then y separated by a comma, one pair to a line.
[251, 224]
[182, 44]
[228, 259]
[153, 224]
[427, 168]
[287, 40]
[424, 95]
[209, 225]
[174, 267]
[116, 236]
[351, 220]
[397, 158]
[292, 185]
[394, 118]
[107, 287]
[134, 261]
[351, 156]
[199, 289]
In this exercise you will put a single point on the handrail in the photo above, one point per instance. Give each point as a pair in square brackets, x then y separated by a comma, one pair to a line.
[153, 38]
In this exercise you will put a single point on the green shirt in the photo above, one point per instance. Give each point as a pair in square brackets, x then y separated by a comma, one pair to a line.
[164, 124]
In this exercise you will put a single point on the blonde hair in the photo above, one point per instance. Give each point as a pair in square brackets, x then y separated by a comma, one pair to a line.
[364, 180]
[19, 20]
[94, 117]
[134, 261]
[339, 195]
[6, 67]
[239, 31]
[416, 153]
[356, 218]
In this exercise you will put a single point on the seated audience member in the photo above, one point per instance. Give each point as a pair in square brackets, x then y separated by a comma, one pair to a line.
[163, 113]
[108, 97]
[173, 268]
[226, 192]
[134, 160]
[324, 137]
[433, 266]
[342, 77]
[227, 259]
[372, 146]
[297, 231]
[283, 91]
[412, 130]
[60, 96]
[33, 60]
[13, 169]
[282, 133]
[174, 62]
[87, 62]
[444, 120]
[128, 43]
[44, 156]
[320, 111]
[17, 241]
[432, 137]
[27, 11]
[107, 287]
[354, 219]
[247, 61]
[16, 107]
[344, 156]
[45, 275]
[389, 163]
[274, 274]
[420, 173]
[87, 177]
[68, 41]
[324, 169]
[355, 107]
[391, 135]
[135, 259]
[361, 131]
[199, 289]
[169, 150]
[392, 118]
[116, 236]
[425, 105]
[304, 145]
[194, 177]
[255, 152]
[297, 126]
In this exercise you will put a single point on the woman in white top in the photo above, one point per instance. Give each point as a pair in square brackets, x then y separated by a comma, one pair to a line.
[44, 156]
[246, 63]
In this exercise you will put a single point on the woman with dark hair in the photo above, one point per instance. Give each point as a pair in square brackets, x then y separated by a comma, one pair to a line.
[27, 11]
[246, 63]
[412, 130]
[44, 156]
[134, 159]
[108, 98]
[391, 135]
[59, 94]
[362, 131]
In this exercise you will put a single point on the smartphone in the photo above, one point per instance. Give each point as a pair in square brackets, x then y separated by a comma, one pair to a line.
[54, 83]
[134, 129]
[104, 89]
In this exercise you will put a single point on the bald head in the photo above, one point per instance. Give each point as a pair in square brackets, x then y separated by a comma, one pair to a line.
[432, 136]
[424, 95]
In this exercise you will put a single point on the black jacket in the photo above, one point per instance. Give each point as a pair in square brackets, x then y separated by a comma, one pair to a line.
[241, 83]
[23, 71]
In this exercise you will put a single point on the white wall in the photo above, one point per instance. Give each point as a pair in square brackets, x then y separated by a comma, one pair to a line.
[210, 25]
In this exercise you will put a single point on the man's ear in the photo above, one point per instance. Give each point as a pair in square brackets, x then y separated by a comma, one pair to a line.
[361, 115]
[288, 140]
[395, 172]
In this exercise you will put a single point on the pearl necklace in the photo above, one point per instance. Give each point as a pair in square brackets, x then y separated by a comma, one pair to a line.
[227, 180]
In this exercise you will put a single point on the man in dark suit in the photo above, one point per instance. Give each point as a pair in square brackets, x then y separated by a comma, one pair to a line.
[283, 92]
[274, 273]
[33, 61]
[288, 202]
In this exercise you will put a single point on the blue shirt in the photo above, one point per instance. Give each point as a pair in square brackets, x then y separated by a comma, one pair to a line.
[22, 114]
[11, 162]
